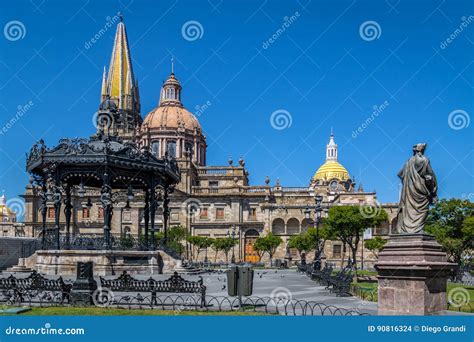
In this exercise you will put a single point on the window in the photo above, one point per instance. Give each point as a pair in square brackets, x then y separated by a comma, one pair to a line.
[252, 213]
[171, 148]
[219, 213]
[213, 184]
[86, 213]
[100, 213]
[336, 251]
[188, 147]
[51, 213]
[155, 148]
[203, 213]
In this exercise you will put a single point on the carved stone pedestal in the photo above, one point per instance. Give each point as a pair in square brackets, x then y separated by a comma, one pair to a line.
[413, 273]
[84, 285]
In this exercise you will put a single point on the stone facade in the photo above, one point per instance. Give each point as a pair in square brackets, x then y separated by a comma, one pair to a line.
[210, 200]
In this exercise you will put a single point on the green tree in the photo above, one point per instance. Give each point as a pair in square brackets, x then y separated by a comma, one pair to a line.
[225, 245]
[267, 244]
[176, 236]
[196, 242]
[348, 223]
[375, 245]
[300, 242]
[452, 223]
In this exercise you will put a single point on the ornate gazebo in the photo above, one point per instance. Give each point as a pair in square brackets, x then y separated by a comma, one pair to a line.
[105, 162]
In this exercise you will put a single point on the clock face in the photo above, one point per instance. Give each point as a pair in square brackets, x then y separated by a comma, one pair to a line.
[333, 185]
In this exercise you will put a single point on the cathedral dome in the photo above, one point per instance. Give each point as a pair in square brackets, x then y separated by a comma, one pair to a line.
[171, 117]
[331, 169]
[171, 113]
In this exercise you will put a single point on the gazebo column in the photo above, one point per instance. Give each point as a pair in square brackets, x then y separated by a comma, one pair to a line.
[44, 210]
[166, 202]
[68, 214]
[57, 197]
[146, 214]
[106, 200]
[152, 216]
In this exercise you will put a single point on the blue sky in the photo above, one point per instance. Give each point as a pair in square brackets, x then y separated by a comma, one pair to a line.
[321, 69]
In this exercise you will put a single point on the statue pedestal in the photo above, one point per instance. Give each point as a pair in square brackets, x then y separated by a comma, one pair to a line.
[413, 273]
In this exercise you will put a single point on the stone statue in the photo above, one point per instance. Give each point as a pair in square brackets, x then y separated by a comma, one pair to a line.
[419, 191]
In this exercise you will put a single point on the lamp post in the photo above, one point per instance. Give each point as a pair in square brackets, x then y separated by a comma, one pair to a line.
[318, 199]
[232, 259]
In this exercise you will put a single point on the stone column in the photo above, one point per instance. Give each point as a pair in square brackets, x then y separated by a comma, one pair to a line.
[68, 214]
[412, 273]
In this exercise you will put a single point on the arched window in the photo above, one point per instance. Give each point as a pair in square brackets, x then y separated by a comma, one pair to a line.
[278, 226]
[155, 148]
[188, 147]
[306, 223]
[292, 226]
[171, 148]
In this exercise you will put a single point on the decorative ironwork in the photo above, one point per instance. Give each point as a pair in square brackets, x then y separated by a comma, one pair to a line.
[175, 284]
[179, 303]
[104, 162]
[340, 283]
[34, 287]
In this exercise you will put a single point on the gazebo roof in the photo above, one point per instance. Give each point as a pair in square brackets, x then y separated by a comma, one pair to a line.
[76, 157]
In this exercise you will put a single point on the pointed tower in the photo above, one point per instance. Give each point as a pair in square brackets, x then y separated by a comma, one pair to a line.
[331, 148]
[120, 86]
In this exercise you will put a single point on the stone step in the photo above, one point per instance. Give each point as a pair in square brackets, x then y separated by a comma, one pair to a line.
[18, 269]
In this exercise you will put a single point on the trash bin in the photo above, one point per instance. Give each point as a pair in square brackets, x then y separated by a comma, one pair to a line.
[245, 281]
[232, 277]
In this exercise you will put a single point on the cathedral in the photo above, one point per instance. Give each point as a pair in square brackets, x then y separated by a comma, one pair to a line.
[213, 201]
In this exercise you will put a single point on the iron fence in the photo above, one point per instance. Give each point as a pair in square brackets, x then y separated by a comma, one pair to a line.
[135, 301]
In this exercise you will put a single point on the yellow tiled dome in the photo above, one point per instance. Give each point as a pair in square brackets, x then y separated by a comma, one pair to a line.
[331, 169]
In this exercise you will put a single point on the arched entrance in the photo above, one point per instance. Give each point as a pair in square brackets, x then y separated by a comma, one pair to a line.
[249, 254]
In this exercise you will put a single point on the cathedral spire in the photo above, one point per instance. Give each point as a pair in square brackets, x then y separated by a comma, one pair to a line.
[103, 90]
[120, 87]
[121, 80]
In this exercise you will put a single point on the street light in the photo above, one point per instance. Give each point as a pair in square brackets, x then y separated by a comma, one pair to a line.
[318, 199]
[232, 259]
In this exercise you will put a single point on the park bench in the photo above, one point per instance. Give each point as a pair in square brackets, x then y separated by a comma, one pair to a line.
[175, 284]
[16, 288]
[341, 282]
[322, 275]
